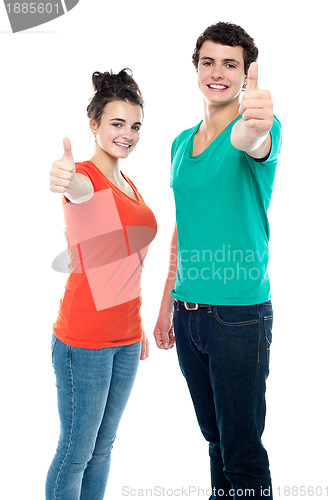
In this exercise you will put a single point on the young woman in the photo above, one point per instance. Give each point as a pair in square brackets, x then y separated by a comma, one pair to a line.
[98, 336]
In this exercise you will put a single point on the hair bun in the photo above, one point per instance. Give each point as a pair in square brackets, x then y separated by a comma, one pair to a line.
[113, 87]
[112, 82]
[101, 81]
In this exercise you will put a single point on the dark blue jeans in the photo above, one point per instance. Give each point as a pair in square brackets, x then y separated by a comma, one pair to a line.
[224, 353]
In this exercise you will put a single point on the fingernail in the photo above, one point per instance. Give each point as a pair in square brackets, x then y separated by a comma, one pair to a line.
[166, 346]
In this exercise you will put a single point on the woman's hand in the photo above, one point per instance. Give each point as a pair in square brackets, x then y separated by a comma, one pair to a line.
[63, 171]
[144, 347]
[63, 179]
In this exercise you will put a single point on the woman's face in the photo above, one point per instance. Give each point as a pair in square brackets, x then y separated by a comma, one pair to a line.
[119, 128]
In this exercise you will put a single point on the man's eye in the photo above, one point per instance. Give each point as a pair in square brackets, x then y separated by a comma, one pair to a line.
[207, 63]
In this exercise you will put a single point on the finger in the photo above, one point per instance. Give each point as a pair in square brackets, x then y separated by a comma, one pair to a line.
[261, 126]
[165, 339]
[58, 189]
[257, 114]
[252, 76]
[144, 347]
[171, 338]
[58, 172]
[142, 356]
[158, 337]
[147, 349]
[68, 155]
[256, 102]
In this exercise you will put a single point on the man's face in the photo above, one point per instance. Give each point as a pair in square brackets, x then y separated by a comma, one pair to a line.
[220, 72]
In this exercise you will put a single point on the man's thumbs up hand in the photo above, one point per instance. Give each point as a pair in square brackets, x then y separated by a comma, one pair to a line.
[256, 107]
[252, 76]
[63, 171]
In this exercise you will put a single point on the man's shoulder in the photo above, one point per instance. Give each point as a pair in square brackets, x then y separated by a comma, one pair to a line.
[185, 134]
[183, 137]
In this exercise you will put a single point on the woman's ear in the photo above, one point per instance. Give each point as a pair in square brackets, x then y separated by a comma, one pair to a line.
[93, 127]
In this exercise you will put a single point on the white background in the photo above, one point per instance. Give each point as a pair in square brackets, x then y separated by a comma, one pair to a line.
[45, 86]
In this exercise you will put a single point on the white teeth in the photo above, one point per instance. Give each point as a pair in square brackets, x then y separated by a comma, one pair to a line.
[218, 87]
[123, 145]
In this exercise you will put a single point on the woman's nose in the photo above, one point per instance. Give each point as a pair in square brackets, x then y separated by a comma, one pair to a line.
[127, 133]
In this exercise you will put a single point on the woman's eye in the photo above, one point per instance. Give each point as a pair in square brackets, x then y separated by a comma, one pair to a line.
[116, 125]
[137, 127]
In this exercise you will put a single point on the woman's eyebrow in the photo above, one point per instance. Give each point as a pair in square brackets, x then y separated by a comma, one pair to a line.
[118, 120]
[123, 121]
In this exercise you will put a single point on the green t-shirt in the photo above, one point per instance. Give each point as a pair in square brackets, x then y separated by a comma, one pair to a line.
[221, 198]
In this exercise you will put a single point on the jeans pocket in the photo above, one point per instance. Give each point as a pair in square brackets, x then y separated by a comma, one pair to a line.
[176, 308]
[268, 321]
[236, 315]
[54, 340]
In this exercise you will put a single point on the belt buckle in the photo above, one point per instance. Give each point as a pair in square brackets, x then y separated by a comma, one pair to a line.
[188, 305]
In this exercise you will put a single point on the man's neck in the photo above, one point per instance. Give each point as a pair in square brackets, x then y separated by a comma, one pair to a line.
[217, 118]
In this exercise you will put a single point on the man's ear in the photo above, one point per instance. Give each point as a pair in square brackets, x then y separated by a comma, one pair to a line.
[245, 83]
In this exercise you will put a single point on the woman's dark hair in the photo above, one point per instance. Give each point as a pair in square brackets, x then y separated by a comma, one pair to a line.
[112, 87]
[228, 34]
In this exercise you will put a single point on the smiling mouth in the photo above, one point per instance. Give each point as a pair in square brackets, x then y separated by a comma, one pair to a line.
[217, 87]
[122, 145]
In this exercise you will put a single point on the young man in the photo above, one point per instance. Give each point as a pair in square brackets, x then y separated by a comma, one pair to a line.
[222, 176]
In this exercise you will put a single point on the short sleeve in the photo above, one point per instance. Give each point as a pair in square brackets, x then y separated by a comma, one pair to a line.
[80, 168]
[276, 142]
[173, 151]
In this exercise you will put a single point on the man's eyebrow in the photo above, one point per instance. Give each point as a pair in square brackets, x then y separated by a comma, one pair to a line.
[231, 60]
[228, 59]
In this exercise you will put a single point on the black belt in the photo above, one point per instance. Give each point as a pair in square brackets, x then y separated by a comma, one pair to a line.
[193, 306]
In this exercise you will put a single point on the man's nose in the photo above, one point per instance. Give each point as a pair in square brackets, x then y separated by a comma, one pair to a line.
[218, 73]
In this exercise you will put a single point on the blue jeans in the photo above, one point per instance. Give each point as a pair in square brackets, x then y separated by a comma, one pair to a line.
[224, 353]
[93, 388]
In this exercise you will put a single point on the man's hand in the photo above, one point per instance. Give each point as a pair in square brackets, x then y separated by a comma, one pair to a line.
[163, 332]
[251, 132]
[256, 107]
[63, 171]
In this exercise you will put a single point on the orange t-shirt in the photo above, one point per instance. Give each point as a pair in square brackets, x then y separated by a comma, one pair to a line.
[108, 238]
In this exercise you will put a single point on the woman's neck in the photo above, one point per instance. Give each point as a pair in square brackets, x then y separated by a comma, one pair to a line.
[108, 165]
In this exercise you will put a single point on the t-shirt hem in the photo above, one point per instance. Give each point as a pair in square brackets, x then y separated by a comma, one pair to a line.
[96, 345]
[224, 301]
